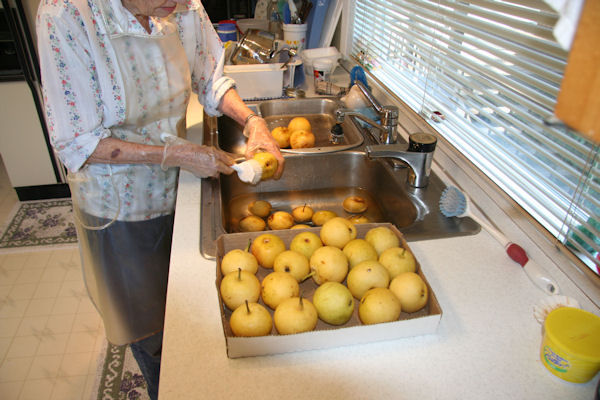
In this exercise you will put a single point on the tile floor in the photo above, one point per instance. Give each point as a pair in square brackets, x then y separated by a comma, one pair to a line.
[50, 334]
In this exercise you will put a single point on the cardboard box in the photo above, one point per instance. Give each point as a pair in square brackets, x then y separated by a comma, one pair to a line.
[422, 322]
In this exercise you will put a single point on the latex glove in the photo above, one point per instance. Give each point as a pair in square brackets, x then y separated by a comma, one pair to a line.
[260, 139]
[202, 161]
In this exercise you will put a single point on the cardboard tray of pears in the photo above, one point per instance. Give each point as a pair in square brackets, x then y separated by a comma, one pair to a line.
[422, 322]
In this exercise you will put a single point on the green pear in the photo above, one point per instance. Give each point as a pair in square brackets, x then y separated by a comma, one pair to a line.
[334, 303]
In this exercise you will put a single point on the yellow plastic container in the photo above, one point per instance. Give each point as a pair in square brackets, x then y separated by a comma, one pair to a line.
[571, 344]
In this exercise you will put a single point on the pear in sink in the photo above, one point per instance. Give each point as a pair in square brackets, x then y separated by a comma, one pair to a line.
[260, 208]
[282, 134]
[302, 213]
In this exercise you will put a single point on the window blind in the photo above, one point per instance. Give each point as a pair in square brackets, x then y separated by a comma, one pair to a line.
[493, 70]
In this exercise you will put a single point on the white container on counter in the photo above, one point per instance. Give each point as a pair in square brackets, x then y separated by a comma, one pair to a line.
[257, 81]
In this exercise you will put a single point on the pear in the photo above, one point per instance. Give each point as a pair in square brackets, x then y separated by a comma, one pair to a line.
[299, 124]
[278, 286]
[300, 226]
[358, 219]
[337, 232]
[322, 216]
[266, 247]
[382, 238]
[355, 204]
[306, 243]
[397, 260]
[295, 315]
[252, 223]
[282, 134]
[268, 163]
[302, 139]
[238, 258]
[379, 305]
[237, 287]
[293, 263]
[334, 303]
[411, 290]
[328, 264]
[359, 250]
[367, 275]
[251, 319]
[303, 213]
[280, 220]
[260, 208]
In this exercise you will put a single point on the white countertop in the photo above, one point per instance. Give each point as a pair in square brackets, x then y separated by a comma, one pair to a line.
[486, 347]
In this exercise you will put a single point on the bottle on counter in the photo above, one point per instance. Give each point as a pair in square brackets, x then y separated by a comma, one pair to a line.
[275, 19]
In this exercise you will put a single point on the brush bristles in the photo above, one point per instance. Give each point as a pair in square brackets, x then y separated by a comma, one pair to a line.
[453, 202]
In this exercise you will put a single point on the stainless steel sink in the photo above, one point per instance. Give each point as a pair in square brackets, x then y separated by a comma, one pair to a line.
[320, 112]
[323, 181]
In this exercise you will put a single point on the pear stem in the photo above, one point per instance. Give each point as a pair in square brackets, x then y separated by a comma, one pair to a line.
[301, 302]
[247, 307]
[239, 274]
[308, 276]
[248, 246]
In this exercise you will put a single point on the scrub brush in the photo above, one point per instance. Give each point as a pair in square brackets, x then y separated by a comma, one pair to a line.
[454, 203]
[249, 171]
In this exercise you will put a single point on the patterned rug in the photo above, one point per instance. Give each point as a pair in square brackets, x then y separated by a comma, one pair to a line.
[119, 377]
[40, 223]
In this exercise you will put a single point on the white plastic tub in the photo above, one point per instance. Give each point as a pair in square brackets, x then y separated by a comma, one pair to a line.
[330, 54]
[257, 81]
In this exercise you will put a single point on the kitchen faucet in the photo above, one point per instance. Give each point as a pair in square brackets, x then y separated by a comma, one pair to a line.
[418, 155]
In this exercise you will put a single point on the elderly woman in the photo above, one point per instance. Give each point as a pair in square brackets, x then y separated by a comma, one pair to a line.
[117, 76]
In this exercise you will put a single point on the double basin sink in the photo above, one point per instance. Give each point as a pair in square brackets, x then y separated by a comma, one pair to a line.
[322, 177]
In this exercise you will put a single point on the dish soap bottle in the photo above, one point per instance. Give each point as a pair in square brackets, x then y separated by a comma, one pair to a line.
[275, 20]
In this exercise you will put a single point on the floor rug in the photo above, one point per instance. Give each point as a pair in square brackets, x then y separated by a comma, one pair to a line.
[40, 223]
[119, 377]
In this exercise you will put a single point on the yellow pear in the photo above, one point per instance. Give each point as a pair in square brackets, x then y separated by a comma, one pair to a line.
[322, 216]
[260, 208]
[306, 243]
[411, 291]
[238, 258]
[237, 287]
[337, 232]
[328, 264]
[252, 223]
[280, 220]
[359, 250]
[302, 139]
[299, 124]
[358, 219]
[295, 315]
[282, 134]
[300, 226]
[379, 305]
[293, 263]
[302, 213]
[367, 275]
[266, 247]
[397, 260]
[382, 238]
[278, 286]
[268, 163]
[355, 204]
[251, 319]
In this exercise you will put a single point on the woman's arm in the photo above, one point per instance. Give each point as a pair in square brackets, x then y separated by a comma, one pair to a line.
[202, 161]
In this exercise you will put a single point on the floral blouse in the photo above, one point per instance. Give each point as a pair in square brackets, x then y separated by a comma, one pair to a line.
[104, 76]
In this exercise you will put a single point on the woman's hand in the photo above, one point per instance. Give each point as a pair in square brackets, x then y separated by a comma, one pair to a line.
[260, 139]
[202, 161]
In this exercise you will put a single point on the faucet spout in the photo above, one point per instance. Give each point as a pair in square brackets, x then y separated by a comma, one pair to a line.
[418, 155]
